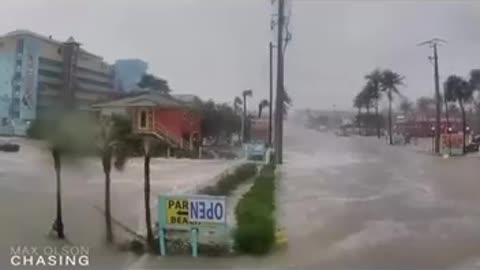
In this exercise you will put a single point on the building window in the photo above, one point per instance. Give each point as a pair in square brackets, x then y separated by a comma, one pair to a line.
[52, 74]
[20, 45]
[143, 119]
[96, 83]
[50, 62]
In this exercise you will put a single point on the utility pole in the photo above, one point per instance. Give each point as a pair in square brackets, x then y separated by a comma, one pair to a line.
[433, 44]
[270, 102]
[280, 87]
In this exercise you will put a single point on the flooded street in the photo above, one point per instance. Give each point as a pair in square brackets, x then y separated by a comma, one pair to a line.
[346, 203]
[356, 203]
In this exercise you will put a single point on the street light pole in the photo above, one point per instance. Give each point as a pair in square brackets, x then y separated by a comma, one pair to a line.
[433, 44]
[270, 104]
[437, 97]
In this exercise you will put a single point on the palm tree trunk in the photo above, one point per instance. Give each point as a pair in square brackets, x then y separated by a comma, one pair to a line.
[244, 118]
[107, 167]
[377, 119]
[148, 218]
[447, 116]
[358, 118]
[390, 118]
[58, 226]
[464, 126]
[260, 111]
[367, 121]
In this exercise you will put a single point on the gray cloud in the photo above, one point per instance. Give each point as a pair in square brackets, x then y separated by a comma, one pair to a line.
[216, 48]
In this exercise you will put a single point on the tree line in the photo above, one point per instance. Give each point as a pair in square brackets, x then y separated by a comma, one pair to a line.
[378, 83]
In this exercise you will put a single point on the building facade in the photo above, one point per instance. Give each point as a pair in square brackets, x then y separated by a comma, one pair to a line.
[40, 75]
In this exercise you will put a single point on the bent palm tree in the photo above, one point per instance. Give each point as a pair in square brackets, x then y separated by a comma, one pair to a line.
[68, 135]
[459, 90]
[390, 82]
[112, 146]
[264, 103]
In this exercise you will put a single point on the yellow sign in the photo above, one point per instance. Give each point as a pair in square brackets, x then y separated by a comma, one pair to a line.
[177, 212]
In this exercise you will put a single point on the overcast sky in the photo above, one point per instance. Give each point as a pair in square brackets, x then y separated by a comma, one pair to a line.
[217, 48]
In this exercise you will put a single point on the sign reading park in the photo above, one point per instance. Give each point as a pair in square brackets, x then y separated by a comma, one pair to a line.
[191, 211]
[195, 213]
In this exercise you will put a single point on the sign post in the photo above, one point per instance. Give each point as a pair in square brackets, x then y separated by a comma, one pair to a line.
[191, 213]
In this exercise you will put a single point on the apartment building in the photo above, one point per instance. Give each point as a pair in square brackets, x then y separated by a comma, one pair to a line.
[39, 74]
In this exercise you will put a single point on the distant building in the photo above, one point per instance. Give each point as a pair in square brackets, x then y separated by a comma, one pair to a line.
[129, 72]
[175, 121]
[422, 124]
[39, 74]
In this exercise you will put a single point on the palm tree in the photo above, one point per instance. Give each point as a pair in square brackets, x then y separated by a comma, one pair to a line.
[366, 99]
[148, 143]
[375, 81]
[459, 90]
[245, 94]
[112, 144]
[68, 135]
[264, 103]
[390, 82]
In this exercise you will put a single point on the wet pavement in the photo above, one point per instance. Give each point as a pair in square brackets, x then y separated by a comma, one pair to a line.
[346, 203]
[356, 203]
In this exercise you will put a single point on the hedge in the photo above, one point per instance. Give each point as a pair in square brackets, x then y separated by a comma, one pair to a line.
[255, 233]
[230, 181]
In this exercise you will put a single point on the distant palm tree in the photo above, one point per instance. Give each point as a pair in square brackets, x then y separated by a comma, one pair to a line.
[390, 82]
[112, 142]
[375, 81]
[245, 94]
[264, 103]
[459, 90]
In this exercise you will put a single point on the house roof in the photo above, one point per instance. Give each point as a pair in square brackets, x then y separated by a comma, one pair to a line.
[148, 98]
[187, 98]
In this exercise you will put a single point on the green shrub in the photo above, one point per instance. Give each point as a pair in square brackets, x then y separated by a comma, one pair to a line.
[255, 233]
[229, 182]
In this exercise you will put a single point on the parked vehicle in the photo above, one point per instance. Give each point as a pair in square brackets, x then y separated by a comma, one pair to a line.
[9, 147]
